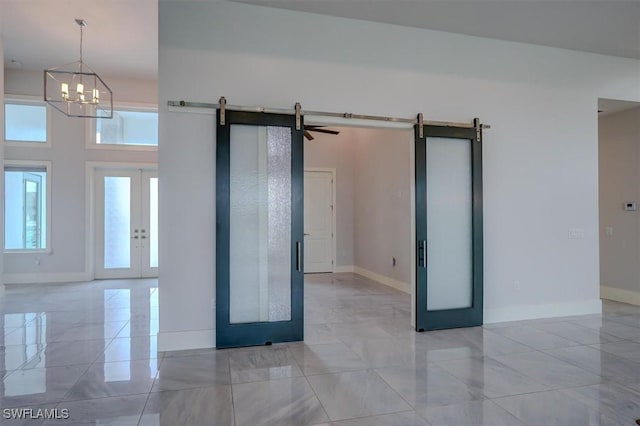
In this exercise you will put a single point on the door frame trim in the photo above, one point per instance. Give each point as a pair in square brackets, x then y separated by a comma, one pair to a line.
[463, 317]
[257, 333]
[90, 168]
[334, 230]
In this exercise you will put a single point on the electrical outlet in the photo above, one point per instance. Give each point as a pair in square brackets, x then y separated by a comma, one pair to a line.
[576, 233]
[516, 284]
[608, 231]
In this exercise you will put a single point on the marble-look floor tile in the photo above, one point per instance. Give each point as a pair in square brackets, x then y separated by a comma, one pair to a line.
[428, 386]
[60, 354]
[204, 406]
[319, 333]
[627, 350]
[196, 371]
[407, 418]
[612, 400]
[491, 377]
[356, 394]
[87, 332]
[535, 338]
[114, 379]
[553, 408]
[131, 348]
[121, 411]
[350, 331]
[614, 328]
[326, 358]
[577, 333]
[477, 413]
[14, 356]
[549, 370]
[277, 402]
[263, 364]
[379, 353]
[488, 342]
[39, 385]
[601, 363]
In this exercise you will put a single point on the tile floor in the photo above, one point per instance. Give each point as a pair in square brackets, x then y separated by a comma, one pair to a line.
[91, 349]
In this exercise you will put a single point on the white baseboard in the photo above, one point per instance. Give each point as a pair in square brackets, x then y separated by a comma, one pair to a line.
[183, 340]
[620, 295]
[382, 279]
[43, 278]
[526, 312]
[342, 268]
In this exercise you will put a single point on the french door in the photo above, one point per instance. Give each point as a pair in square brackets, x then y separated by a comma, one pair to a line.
[126, 223]
[448, 227]
[259, 229]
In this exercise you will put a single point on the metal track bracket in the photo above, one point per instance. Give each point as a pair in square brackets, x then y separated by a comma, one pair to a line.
[298, 109]
[223, 104]
[420, 126]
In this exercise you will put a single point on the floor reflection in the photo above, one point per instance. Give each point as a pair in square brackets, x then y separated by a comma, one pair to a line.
[92, 349]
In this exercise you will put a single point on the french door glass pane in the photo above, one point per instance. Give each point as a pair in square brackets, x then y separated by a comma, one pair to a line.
[449, 224]
[260, 224]
[153, 222]
[117, 222]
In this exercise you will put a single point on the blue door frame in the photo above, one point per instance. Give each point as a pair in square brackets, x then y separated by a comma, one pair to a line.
[449, 318]
[257, 333]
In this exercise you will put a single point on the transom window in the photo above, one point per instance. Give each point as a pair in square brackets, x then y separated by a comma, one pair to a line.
[25, 121]
[128, 126]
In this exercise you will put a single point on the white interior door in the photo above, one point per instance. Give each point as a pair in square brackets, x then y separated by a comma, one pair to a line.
[126, 223]
[318, 221]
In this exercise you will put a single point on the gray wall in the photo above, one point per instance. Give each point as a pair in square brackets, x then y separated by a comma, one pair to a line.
[619, 171]
[382, 182]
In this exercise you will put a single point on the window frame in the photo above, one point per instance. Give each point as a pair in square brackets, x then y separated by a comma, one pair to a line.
[28, 100]
[47, 249]
[120, 106]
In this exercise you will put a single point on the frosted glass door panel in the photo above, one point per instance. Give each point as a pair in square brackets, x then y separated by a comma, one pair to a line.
[117, 222]
[449, 224]
[153, 222]
[260, 224]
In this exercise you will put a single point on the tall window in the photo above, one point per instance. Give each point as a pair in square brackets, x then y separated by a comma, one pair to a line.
[128, 127]
[25, 122]
[25, 207]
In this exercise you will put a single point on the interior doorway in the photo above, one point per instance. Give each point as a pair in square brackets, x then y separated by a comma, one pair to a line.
[126, 223]
[370, 203]
[619, 199]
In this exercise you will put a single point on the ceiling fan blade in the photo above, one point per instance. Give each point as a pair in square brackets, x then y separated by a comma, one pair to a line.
[308, 135]
[330, 132]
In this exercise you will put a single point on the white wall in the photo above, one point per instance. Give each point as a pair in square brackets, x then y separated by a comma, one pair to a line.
[336, 152]
[1, 157]
[68, 260]
[383, 203]
[540, 158]
[619, 159]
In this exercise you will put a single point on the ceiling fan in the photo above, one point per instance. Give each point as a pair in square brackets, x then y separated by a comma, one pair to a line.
[319, 129]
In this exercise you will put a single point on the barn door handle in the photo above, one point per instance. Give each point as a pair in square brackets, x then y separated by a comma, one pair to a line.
[298, 260]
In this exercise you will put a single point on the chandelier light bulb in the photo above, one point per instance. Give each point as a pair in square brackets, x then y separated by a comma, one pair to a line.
[64, 90]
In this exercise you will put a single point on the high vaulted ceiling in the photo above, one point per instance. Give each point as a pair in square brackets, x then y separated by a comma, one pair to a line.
[122, 35]
[121, 38]
[609, 27]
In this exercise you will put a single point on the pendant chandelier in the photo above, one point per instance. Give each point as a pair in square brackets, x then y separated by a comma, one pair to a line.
[76, 90]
